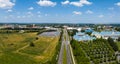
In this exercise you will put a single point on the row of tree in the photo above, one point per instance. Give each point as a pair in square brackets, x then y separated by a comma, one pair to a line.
[98, 51]
[112, 44]
[17, 31]
[79, 54]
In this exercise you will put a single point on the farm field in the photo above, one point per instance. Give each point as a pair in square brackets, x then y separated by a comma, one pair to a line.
[15, 48]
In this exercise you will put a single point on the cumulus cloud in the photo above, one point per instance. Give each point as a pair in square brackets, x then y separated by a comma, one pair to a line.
[80, 3]
[77, 12]
[39, 15]
[38, 12]
[111, 8]
[89, 12]
[30, 14]
[10, 16]
[18, 16]
[23, 16]
[13, 0]
[6, 4]
[65, 2]
[46, 3]
[9, 10]
[46, 14]
[118, 4]
[31, 8]
[101, 16]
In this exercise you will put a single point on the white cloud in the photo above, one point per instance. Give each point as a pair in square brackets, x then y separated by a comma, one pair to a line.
[18, 16]
[6, 17]
[118, 4]
[56, 14]
[101, 16]
[111, 8]
[9, 10]
[39, 16]
[77, 12]
[31, 8]
[89, 12]
[46, 3]
[78, 4]
[29, 13]
[11, 16]
[23, 16]
[38, 12]
[65, 2]
[81, 3]
[46, 14]
[6, 4]
[13, 0]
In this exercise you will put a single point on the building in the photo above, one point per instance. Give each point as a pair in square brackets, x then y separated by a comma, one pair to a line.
[83, 37]
[107, 34]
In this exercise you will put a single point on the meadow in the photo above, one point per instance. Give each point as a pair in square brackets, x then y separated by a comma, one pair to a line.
[15, 48]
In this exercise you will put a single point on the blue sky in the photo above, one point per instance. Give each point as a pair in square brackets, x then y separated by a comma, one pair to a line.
[60, 11]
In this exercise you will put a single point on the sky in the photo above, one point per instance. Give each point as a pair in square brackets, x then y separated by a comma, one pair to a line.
[59, 11]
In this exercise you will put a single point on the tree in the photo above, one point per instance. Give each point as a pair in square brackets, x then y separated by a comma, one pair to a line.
[118, 38]
[117, 28]
[89, 33]
[82, 30]
[112, 44]
[37, 38]
[32, 44]
[74, 32]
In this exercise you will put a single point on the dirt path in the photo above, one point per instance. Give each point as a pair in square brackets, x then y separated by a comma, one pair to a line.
[21, 48]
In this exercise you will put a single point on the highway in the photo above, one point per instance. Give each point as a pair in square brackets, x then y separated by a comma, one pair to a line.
[66, 44]
[60, 59]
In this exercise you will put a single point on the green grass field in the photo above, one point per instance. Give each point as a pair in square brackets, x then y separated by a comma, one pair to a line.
[15, 48]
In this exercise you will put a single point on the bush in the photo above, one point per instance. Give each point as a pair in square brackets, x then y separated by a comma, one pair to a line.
[32, 44]
[37, 38]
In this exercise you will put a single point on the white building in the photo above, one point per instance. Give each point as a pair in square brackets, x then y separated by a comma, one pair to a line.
[107, 34]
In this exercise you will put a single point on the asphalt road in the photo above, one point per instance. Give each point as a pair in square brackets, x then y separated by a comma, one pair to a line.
[66, 43]
[60, 60]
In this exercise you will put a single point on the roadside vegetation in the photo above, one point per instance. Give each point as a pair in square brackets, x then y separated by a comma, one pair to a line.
[80, 56]
[65, 56]
[118, 44]
[97, 51]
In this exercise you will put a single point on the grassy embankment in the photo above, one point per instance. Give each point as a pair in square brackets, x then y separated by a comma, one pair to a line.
[118, 44]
